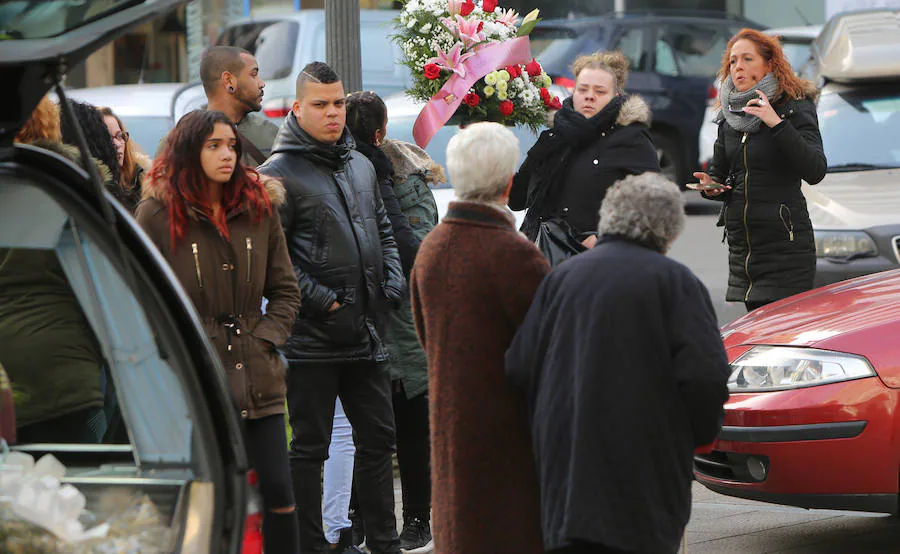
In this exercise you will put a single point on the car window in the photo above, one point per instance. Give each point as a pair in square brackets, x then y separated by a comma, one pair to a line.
[665, 59]
[696, 50]
[861, 127]
[797, 53]
[273, 43]
[146, 132]
[30, 20]
[80, 351]
[631, 44]
[557, 47]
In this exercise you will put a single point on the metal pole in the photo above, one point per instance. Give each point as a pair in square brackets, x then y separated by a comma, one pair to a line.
[620, 6]
[342, 49]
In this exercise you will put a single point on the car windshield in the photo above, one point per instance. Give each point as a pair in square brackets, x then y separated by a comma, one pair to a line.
[146, 131]
[21, 19]
[557, 47]
[272, 42]
[860, 128]
[796, 51]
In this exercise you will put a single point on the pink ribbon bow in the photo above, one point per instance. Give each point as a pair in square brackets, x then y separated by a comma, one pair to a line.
[443, 105]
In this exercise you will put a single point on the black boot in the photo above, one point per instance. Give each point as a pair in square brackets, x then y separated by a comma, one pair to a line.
[416, 536]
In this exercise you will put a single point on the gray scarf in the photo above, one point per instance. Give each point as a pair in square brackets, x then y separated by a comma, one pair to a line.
[731, 98]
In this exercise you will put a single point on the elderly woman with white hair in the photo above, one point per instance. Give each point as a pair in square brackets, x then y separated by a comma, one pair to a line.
[624, 374]
[471, 285]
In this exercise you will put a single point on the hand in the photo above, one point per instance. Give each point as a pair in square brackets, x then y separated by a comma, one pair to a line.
[762, 108]
[334, 306]
[708, 186]
[590, 241]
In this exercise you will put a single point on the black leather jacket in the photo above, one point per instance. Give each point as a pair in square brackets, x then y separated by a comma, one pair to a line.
[340, 241]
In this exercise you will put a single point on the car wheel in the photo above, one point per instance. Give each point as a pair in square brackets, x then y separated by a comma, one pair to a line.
[671, 163]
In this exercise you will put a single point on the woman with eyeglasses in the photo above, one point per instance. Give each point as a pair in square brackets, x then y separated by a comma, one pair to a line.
[132, 162]
[768, 143]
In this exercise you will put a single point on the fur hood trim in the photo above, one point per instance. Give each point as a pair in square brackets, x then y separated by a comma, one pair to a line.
[409, 159]
[143, 160]
[73, 154]
[634, 110]
[160, 191]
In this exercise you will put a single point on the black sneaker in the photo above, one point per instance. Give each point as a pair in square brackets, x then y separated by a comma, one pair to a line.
[416, 536]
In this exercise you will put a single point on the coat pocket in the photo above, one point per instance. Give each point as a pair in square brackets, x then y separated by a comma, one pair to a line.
[345, 325]
[322, 235]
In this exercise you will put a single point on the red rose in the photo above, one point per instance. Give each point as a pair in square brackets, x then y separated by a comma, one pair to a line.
[489, 6]
[533, 68]
[545, 95]
[432, 71]
[514, 71]
[466, 8]
[506, 107]
[555, 104]
[471, 99]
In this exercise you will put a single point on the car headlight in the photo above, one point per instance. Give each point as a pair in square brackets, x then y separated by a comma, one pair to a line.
[770, 368]
[844, 245]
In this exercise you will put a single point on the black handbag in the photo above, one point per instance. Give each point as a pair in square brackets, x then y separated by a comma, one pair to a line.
[557, 242]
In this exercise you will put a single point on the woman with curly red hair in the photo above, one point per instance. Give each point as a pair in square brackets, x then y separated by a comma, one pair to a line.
[768, 143]
[217, 225]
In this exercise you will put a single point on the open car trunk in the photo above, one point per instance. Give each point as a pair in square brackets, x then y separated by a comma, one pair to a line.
[83, 292]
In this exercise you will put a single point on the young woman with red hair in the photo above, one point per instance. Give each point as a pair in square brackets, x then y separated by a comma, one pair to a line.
[217, 225]
[768, 143]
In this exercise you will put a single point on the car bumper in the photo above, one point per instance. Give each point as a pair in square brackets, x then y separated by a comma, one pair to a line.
[831, 446]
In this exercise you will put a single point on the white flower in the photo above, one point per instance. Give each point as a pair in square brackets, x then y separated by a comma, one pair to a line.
[411, 24]
[425, 29]
[489, 91]
[501, 95]
[491, 78]
[503, 75]
[502, 86]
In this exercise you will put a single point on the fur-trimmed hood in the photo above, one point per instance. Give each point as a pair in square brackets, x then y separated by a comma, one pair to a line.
[634, 110]
[160, 191]
[409, 159]
[73, 154]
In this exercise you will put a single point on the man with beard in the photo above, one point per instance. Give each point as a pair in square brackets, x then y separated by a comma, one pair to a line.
[231, 80]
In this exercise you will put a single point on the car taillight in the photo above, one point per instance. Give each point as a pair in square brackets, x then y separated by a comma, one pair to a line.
[253, 537]
[277, 107]
[566, 83]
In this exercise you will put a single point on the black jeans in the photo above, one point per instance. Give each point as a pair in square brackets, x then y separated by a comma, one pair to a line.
[266, 445]
[413, 452]
[365, 391]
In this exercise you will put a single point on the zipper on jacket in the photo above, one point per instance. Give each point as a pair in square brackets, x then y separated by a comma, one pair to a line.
[249, 257]
[746, 226]
[196, 250]
[789, 224]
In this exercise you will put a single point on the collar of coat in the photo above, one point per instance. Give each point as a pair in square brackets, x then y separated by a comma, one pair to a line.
[486, 214]
[159, 190]
[634, 110]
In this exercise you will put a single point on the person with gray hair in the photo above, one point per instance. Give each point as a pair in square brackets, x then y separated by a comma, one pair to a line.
[471, 284]
[622, 341]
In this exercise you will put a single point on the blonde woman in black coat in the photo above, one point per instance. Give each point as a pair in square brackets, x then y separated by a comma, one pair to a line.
[600, 135]
[768, 142]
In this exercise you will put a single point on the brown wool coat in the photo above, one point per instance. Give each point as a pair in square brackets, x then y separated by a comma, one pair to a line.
[472, 283]
[225, 277]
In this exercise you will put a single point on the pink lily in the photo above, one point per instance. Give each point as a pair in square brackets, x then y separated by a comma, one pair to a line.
[453, 6]
[452, 60]
[508, 17]
[466, 30]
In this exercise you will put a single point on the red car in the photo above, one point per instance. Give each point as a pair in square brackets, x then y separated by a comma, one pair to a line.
[815, 399]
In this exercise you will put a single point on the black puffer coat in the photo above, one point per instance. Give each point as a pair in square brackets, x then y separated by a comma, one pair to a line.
[620, 146]
[341, 246]
[772, 253]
